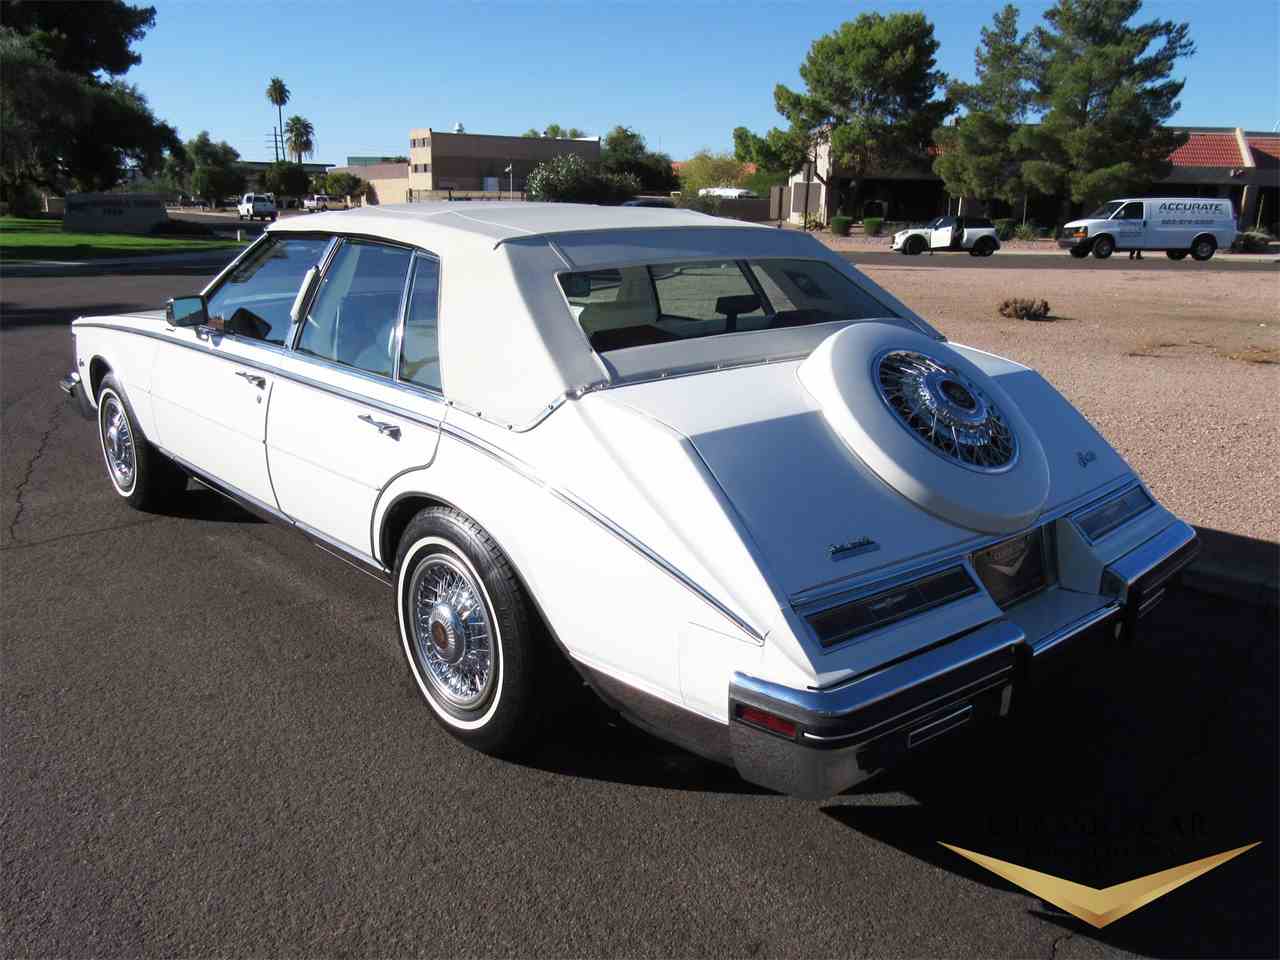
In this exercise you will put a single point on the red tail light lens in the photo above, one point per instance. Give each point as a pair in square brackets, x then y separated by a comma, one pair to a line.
[766, 721]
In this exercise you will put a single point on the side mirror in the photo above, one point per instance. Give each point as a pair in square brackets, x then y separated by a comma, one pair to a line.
[192, 311]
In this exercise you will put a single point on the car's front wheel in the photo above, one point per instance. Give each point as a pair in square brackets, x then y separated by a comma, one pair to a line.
[914, 246]
[468, 632]
[1103, 247]
[140, 473]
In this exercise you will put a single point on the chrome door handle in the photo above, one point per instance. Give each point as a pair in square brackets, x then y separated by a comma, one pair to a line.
[253, 378]
[384, 428]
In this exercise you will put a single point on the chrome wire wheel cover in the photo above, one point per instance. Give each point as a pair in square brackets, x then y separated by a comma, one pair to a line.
[452, 634]
[117, 442]
[946, 411]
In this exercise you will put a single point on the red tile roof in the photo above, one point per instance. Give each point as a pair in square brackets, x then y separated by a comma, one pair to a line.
[1264, 147]
[1208, 150]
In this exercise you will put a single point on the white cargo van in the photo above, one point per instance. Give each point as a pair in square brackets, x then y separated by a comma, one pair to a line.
[1176, 225]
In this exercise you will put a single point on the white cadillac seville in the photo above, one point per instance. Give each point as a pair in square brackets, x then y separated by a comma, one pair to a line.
[763, 508]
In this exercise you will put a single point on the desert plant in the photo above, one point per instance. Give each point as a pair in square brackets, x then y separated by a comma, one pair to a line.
[812, 222]
[1026, 231]
[1004, 228]
[1252, 241]
[871, 226]
[840, 226]
[1020, 308]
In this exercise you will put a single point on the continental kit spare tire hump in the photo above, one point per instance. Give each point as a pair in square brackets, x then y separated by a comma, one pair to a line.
[930, 424]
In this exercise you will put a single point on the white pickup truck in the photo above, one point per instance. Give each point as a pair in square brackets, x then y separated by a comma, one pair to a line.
[315, 203]
[254, 206]
[1176, 225]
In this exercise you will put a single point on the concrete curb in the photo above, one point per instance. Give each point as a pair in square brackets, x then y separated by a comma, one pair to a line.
[19, 268]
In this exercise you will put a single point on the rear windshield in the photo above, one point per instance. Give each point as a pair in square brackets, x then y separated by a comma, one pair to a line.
[637, 306]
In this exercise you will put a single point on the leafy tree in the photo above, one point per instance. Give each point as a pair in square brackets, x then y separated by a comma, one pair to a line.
[300, 137]
[343, 184]
[570, 178]
[215, 168]
[707, 169]
[1104, 85]
[531, 132]
[83, 37]
[286, 179]
[871, 94]
[66, 123]
[278, 94]
[978, 155]
[623, 151]
[555, 132]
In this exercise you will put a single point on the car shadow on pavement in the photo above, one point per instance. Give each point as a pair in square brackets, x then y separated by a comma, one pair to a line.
[1131, 761]
[201, 503]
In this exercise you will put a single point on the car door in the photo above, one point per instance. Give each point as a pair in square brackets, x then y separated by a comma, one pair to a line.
[940, 235]
[362, 403]
[1130, 226]
[211, 385]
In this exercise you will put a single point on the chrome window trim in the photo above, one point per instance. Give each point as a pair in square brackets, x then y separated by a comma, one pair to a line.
[477, 443]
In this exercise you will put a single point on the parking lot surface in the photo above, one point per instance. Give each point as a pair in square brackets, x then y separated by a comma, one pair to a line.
[211, 747]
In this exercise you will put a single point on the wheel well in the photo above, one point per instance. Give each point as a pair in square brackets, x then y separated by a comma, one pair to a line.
[397, 519]
[1204, 236]
[98, 368]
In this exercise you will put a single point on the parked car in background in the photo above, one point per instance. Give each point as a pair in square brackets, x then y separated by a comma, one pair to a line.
[977, 235]
[660, 202]
[257, 206]
[315, 203]
[727, 193]
[761, 507]
[1177, 225]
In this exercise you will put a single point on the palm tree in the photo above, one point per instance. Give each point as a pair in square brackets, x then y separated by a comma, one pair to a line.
[278, 94]
[300, 137]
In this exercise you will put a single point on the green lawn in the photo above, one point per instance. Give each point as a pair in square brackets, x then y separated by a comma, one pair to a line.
[31, 239]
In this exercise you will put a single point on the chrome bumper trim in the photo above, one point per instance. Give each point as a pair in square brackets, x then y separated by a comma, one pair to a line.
[75, 391]
[1146, 568]
[1087, 622]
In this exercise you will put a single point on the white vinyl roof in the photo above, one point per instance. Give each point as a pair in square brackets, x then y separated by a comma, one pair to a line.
[509, 346]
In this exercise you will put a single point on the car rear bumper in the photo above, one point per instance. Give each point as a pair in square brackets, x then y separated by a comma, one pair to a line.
[816, 743]
[76, 393]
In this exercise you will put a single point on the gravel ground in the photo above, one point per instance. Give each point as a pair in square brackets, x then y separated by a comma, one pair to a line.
[1155, 360]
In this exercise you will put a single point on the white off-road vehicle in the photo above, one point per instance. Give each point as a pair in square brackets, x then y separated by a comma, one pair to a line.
[977, 235]
[257, 206]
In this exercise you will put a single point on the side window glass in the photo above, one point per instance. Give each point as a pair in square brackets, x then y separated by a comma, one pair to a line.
[255, 299]
[353, 317]
[1131, 211]
[420, 349]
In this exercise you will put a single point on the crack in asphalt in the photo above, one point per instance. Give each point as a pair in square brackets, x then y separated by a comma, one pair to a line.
[29, 544]
[20, 490]
[1058, 940]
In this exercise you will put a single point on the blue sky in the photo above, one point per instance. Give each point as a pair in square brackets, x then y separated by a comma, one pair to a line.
[684, 75]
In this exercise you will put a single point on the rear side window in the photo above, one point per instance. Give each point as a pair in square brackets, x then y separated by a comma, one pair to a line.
[352, 320]
[420, 346]
[640, 305]
[254, 300]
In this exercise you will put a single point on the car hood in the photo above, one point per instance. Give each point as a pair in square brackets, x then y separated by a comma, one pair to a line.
[804, 488]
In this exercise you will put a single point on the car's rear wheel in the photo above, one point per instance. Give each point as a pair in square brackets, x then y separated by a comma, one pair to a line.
[985, 247]
[1176, 254]
[468, 631]
[914, 246]
[1202, 248]
[1103, 247]
[140, 474]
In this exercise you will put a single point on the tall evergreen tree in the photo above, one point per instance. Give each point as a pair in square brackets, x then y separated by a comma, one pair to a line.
[1105, 87]
[978, 156]
[870, 92]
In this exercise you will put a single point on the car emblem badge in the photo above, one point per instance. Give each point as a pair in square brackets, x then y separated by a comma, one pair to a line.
[1009, 557]
[1085, 457]
[860, 545]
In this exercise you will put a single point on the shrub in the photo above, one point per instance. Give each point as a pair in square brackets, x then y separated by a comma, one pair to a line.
[690, 200]
[1026, 231]
[1252, 241]
[840, 226]
[25, 202]
[571, 179]
[871, 226]
[1004, 228]
[1019, 308]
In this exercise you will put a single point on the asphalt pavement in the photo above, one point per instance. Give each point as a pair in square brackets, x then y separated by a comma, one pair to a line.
[211, 747]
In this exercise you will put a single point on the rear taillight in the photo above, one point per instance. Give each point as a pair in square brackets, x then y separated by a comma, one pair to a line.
[766, 721]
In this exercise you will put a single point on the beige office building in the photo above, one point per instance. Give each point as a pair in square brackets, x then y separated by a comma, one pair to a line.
[478, 161]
